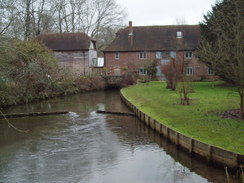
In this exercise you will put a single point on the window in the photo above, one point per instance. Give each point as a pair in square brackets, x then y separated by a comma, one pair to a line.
[142, 55]
[188, 54]
[165, 54]
[179, 34]
[173, 54]
[117, 55]
[158, 54]
[210, 70]
[142, 71]
[164, 61]
[189, 71]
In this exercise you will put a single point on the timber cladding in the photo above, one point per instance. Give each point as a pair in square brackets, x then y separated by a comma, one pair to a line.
[74, 51]
[76, 61]
[211, 154]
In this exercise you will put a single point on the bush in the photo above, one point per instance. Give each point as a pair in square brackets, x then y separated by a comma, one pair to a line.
[90, 83]
[127, 79]
[29, 71]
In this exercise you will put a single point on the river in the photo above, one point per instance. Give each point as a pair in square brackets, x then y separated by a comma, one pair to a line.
[86, 147]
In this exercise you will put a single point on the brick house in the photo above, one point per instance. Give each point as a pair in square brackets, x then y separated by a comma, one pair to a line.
[75, 51]
[133, 45]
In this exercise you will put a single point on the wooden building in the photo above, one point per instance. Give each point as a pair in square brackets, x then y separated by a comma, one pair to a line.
[75, 51]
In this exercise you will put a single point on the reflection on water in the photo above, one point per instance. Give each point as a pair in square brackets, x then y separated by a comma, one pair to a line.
[83, 146]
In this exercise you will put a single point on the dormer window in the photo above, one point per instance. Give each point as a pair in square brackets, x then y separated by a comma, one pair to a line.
[179, 34]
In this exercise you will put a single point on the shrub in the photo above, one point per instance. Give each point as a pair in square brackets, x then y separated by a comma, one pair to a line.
[30, 71]
[89, 83]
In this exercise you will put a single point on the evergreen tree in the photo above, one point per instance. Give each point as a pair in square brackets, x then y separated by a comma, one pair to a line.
[222, 43]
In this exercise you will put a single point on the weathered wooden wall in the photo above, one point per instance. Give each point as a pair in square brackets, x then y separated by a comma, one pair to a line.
[76, 61]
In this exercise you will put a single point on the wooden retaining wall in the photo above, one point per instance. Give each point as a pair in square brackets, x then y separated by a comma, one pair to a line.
[211, 154]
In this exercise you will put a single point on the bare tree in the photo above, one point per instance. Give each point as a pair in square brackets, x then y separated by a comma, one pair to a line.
[100, 19]
[24, 19]
[97, 18]
[8, 12]
[105, 36]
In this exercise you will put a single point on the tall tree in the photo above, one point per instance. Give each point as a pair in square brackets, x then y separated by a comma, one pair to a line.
[24, 19]
[222, 43]
[8, 13]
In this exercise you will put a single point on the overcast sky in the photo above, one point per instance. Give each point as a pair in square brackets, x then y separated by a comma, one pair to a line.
[165, 12]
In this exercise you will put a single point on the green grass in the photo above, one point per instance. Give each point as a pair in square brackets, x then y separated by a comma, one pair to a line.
[201, 119]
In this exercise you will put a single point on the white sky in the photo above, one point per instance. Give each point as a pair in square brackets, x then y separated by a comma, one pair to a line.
[165, 12]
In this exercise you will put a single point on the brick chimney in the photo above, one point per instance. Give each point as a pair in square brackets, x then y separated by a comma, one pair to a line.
[130, 33]
[130, 29]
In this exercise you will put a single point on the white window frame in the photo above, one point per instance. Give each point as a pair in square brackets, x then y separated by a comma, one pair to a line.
[142, 55]
[116, 55]
[172, 54]
[189, 71]
[158, 55]
[165, 61]
[188, 54]
[179, 34]
[142, 71]
[210, 70]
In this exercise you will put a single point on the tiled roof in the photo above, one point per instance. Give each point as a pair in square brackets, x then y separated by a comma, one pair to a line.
[153, 38]
[66, 41]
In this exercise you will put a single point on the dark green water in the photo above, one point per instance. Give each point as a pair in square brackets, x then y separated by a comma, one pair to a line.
[83, 146]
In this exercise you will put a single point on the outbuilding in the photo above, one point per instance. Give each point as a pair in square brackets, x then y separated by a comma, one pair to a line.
[75, 51]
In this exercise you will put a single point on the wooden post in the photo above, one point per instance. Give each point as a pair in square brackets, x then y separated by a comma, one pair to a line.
[209, 154]
[177, 140]
[161, 133]
[235, 159]
[167, 132]
[191, 147]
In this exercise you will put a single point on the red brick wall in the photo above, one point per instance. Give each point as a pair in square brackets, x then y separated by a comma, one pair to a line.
[126, 59]
[131, 59]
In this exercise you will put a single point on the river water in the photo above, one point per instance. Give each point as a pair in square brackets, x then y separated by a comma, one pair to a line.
[85, 147]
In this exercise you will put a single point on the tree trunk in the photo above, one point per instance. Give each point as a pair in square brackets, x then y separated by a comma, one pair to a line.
[27, 20]
[38, 31]
[185, 94]
[241, 93]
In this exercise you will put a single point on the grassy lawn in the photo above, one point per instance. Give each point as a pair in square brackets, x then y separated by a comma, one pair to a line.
[200, 120]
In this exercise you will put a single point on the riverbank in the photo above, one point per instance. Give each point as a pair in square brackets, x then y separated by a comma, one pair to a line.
[77, 85]
[84, 146]
[30, 72]
[201, 120]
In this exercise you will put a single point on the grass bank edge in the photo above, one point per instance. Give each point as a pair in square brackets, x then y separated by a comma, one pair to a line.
[199, 120]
